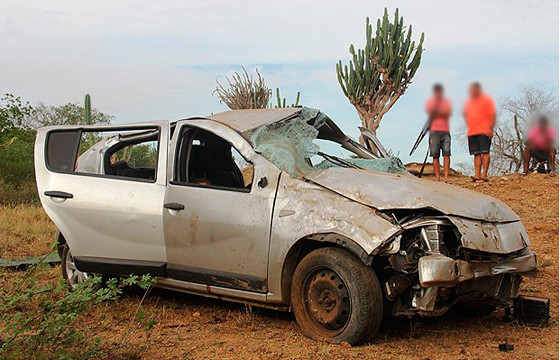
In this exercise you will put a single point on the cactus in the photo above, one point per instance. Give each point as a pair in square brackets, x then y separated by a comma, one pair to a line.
[87, 106]
[281, 103]
[244, 92]
[379, 74]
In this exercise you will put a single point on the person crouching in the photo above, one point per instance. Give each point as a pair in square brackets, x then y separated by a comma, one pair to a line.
[540, 145]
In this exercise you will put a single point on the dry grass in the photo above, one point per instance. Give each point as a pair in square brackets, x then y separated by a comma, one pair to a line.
[192, 327]
[25, 230]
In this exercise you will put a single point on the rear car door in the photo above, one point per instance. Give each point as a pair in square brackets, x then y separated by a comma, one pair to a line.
[103, 187]
[218, 208]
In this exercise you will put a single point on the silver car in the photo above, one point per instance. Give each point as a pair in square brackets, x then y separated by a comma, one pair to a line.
[276, 208]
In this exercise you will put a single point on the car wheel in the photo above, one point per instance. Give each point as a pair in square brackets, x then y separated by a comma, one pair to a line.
[59, 244]
[336, 298]
[70, 273]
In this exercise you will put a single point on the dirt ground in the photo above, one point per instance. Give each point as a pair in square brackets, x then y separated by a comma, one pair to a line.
[191, 327]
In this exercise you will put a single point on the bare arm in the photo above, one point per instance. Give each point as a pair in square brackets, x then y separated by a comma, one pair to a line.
[492, 124]
[445, 112]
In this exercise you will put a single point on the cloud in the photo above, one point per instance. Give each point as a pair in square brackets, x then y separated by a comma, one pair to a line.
[144, 60]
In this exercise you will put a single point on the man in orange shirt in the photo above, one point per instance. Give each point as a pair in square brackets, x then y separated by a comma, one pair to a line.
[480, 116]
[439, 111]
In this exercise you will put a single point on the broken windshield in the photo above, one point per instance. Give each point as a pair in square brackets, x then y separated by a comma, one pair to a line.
[310, 142]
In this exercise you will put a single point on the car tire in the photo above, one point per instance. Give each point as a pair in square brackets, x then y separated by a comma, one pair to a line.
[70, 273]
[336, 298]
[59, 244]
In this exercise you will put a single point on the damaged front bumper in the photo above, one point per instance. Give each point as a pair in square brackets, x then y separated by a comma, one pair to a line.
[441, 271]
[449, 262]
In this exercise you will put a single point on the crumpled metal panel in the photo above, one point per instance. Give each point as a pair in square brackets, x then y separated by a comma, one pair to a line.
[303, 209]
[389, 164]
[386, 191]
[441, 271]
[245, 120]
[499, 238]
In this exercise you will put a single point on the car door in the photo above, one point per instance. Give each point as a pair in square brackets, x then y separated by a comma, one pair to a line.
[111, 220]
[217, 229]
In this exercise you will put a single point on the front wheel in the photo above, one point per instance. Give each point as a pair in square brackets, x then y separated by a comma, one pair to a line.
[336, 298]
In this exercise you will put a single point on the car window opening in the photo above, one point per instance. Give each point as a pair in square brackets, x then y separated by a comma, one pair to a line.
[205, 159]
[126, 154]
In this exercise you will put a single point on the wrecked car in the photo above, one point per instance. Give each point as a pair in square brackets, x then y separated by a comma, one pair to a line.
[246, 206]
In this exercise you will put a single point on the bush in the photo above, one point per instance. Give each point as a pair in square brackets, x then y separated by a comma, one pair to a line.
[39, 321]
[16, 154]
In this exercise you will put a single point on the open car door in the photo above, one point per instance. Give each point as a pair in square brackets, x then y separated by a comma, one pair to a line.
[103, 187]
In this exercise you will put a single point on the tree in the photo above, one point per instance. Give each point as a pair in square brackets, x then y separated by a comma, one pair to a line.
[18, 121]
[13, 112]
[380, 73]
[511, 129]
[69, 114]
[16, 140]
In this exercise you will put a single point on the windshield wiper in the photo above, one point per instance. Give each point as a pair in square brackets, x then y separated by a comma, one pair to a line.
[337, 161]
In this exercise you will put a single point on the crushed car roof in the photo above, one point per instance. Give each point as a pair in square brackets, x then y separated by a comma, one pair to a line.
[245, 120]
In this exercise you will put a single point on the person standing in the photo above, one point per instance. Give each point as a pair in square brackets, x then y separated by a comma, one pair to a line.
[439, 110]
[480, 117]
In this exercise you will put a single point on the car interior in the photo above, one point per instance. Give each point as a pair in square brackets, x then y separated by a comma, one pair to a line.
[206, 159]
[118, 166]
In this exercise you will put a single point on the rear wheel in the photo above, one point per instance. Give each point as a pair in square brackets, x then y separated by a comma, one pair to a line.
[70, 273]
[336, 298]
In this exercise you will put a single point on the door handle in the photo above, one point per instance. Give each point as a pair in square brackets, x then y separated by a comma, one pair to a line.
[59, 194]
[174, 206]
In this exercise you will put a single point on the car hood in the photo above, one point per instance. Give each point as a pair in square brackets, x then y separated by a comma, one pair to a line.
[385, 191]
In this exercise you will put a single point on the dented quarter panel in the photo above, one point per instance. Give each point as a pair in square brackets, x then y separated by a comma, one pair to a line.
[303, 209]
[386, 191]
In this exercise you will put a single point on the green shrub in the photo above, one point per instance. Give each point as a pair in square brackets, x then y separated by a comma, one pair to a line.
[39, 321]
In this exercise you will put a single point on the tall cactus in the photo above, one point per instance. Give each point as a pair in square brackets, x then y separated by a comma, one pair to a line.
[87, 106]
[380, 73]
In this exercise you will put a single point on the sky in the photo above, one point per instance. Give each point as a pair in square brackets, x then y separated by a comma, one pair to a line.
[148, 60]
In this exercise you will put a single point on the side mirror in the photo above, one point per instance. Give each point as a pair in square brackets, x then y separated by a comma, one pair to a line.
[263, 182]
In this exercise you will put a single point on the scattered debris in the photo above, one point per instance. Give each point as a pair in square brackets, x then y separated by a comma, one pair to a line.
[505, 347]
[22, 264]
[532, 310]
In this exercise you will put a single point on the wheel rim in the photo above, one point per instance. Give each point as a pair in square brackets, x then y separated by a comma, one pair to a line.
[328, 301]
[73, 275]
